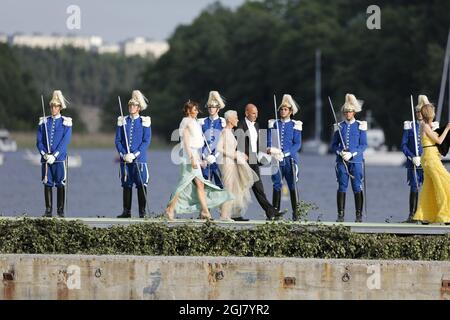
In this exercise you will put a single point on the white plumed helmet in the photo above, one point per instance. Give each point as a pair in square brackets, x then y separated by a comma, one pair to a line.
[290, 103]
[423, 100]
[215, 100]
[58, 99]
[352, 104]
[138, 98]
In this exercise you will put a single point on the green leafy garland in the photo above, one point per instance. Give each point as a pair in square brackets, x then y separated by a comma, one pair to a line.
[53, 236]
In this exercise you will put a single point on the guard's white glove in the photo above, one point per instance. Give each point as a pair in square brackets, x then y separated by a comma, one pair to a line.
[416, 161]
[51, 159]
[211, 159]
[129, 157]
[45, 156]
[346, 155]
[264, 158]
[277, 153]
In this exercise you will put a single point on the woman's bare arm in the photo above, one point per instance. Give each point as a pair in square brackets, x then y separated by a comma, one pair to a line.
[430, 134]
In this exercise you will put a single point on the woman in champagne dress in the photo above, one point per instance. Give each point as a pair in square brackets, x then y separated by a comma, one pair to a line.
[434, 199]
[237, 176]
[193, 193]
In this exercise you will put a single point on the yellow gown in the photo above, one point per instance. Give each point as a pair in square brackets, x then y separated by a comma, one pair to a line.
[434, 199]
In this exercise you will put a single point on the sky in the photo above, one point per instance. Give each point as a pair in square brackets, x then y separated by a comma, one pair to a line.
[114, 21]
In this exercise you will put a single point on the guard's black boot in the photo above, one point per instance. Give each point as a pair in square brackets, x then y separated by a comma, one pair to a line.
[294, 205]
[276, 199]
[48, 196]
[142, 196]
[340, 206]
[358, 206]
[127, 194]
[413, 200]
[60, 198]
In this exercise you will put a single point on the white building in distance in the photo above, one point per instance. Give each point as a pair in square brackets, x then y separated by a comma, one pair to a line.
[141, 47]
[55, 41]
[138, 46]
[3, 38]
[109, 48]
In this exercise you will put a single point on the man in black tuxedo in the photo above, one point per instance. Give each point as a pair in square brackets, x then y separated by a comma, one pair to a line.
[249, 129]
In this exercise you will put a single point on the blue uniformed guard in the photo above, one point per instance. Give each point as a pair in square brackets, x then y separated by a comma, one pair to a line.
[349, 143]
[53, 137]
[133, 136]
[413, 163]
[211, 127]
[287, 134]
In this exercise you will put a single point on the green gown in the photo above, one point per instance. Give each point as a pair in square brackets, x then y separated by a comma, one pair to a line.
[186, 188]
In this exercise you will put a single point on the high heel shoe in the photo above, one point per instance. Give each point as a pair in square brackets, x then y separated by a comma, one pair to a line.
[170, 215]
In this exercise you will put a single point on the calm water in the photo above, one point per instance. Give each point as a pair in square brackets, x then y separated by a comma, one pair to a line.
[94, 188]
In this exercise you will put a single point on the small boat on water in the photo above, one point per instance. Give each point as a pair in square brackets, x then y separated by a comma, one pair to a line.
[446, 159]
[75, 161]
[377, 153]
[6, 143]
[384, 158]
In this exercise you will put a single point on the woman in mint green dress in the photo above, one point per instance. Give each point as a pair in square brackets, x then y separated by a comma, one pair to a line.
[193, 193]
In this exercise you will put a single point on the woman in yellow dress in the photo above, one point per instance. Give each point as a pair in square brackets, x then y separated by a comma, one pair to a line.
[434, 200]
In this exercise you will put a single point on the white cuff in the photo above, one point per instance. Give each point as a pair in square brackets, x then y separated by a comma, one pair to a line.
[287, 154]
[56, 154]
[137, 154]
[42, 152]
[354, 154]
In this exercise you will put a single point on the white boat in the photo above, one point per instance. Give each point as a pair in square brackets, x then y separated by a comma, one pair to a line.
[75, 161]
[374, 157]
[446, 159]
[375, 136]
[6, 143]
[377, 153]
[316, 147]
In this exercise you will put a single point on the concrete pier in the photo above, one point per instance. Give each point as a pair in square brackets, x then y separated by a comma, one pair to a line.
[209, 278]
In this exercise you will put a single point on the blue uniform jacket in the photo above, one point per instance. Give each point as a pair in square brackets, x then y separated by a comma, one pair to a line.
[139, 135]
[290, 136]
[59, 132]
[408, 148]
[211, 130]
[355, 139]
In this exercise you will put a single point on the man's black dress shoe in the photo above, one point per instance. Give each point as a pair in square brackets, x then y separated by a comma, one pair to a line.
[240, 219]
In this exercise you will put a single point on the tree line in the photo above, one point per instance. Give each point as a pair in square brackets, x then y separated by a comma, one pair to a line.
[85, 78]
[249, 54]
[268, 47]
